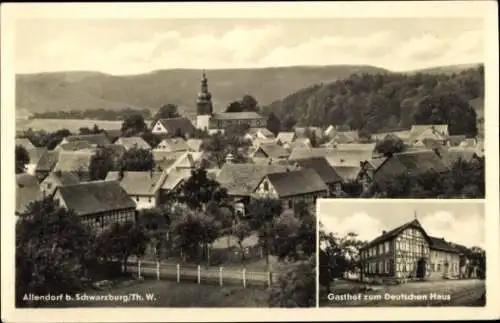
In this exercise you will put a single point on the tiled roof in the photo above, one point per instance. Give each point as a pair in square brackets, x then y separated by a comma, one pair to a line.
[160, 155]
[63, 178]
[437, 130]
[117, 150]
[133, 142]
[47, 161]
[441, 244]
[263, 131]
[137, 183]
[241, 179]
[322, 167]
[94, 197]
[395, 232]
[375, 163]
[36, 154]
[74, 145]
[336, 157]
[356, 146]
[347, 173]
[451, 155]
[73, 161]
[274, 150]
[410, 163]
[173, 144]
[237, 116]
[95, 139]
[229, 241]
[297, 182]
[25, 142]
[175, 177]
[27, 191]
[173, 124]
[286, 137]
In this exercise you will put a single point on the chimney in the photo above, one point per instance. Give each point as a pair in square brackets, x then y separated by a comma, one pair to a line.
[384, 232]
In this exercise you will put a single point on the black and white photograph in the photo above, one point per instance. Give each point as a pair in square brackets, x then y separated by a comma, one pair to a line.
[246, 156]
[402, 253]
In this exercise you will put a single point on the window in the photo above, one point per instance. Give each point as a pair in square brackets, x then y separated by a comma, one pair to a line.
[387, 266]
[380, 249]
[387, 247]
[137, 198]
[49, 185]
[258, 122]
[266, 186]
[380, 267]
[290, 204]
[438, 267]
[149, 199]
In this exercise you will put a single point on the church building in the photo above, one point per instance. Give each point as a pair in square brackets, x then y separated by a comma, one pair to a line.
[206, 119]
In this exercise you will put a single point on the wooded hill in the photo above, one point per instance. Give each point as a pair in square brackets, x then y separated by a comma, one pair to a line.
[385, 101]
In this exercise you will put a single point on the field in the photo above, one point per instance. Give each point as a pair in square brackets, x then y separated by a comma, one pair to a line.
[172, 294]
[73, 125]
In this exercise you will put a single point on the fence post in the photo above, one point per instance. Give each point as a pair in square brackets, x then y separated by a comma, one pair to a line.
[158, 270]
[139, 268]
[244, 274]
[199, 274]
[178, 273]
[220, 276]
[269, 274]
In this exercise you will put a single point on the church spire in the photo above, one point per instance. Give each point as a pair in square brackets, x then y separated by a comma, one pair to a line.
[204, 102]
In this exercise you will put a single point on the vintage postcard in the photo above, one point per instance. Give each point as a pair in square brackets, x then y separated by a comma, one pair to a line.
[402, 253]
[234, 157]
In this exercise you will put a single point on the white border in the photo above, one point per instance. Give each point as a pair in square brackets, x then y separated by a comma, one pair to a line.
[482, 9]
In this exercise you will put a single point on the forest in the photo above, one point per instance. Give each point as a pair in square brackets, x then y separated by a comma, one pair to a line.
[388, 101]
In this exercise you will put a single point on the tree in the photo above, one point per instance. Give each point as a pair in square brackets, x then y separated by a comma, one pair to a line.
[241, 230]
[101, 163]
[289, 123]
[273, 123]
[249, 103]
[296, 287]
[390, 145]
[137, 160]
[22, 159]
[133, 124]
[53, 251]
[234, 106]
[232, 142]
[193, 229]
[152, 139]
[263, 213]
[122, 240]
[198, 190]
[337, 255]
[166, 112]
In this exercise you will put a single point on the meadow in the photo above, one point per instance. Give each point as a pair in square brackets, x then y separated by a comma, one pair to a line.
[73, 125]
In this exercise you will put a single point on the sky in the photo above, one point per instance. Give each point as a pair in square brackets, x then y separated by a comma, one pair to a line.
[135, 46]
[459, 222]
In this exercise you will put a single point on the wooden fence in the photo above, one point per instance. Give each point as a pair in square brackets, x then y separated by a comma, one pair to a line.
[201, 274]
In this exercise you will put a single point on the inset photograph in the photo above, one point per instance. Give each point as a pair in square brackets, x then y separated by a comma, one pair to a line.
[401, 253]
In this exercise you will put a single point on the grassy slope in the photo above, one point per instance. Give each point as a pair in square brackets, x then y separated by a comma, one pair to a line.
[90, 90]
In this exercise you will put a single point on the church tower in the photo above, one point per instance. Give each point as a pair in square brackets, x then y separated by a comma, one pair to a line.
[204, 108]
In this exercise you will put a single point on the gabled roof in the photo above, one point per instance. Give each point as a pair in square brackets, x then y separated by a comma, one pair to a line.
[247, 115]
[273, 151]
[132, 142]
[456, 140]
[375, 163]
[74, 161]
[412, 163]
[47, 161]
[99, 139]
[36, 154]
[286, 137]
[88, 198]
[322, 167]
[194, 144]
[25, 142]
[27, 191]
[297, 182]
[395, 232]
[161, 155]
[137, 183]
[188, 160]
[175, 144]
[451, 155]
[356, 146]
[344, 137]
[241, 179]
[347, 173]
[442, 245]
[74, 145]
[63, 178]
[173, 124]
[175, 177]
